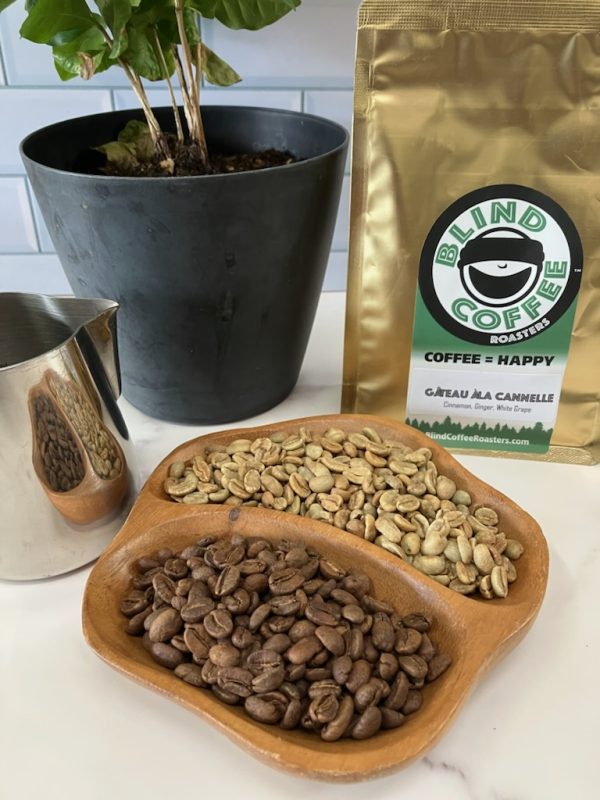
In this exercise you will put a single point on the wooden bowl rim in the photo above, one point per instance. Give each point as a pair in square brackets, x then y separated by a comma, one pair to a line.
[496, 626]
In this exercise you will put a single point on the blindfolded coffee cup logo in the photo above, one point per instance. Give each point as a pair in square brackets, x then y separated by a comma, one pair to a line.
[500, 265]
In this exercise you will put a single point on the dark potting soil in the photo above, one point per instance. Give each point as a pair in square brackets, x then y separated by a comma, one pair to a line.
[186, 162]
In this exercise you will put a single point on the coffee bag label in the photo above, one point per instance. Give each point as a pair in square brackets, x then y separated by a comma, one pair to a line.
[498, 281]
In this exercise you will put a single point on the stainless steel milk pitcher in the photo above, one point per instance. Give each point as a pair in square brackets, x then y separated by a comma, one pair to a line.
[64, 478]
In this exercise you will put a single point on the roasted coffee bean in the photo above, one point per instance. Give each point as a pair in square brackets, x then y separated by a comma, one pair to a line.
[326, 588]
[330, 570]
[408, 641]
[152, 616]
[199, 590]
[256, 583]
[382, 632]
[323, 709]
[165, 625]
[263, 660]
[339, 725]
[259, 615]
[164, 587]
[178, 643]
[279, 624]
[369, 694]
[165, 655]
[301, 629]
[183, 587]
[210, 673]
[279, 642]
[387, 666]
[359, 675]
[320, 659]
[268, 680]
[319, 613]
[224, 696]
[285, 605]
[399, 692]
[367, 724]
[145, 563]
[241, 637]
[134, 603]
[198, 610]
[420, 622]
[228, 580]
[336, 661]
[178, 603]
[343, 597]
[331, 640]
[341, 669]
[218, 623]
[238, 602]
[295, 672]
[135, 625]
[224, 655]
[355, 643]
[324, 686]
[198, 642]
[285, 581]
[353, 613]
[191, 673]
[391, 719]
[303, 650]
[235, 680]
[438, 665]
[176, 568]
[292, 716]
[263, 708]
[427, 649]
[413, 702]
[370, 653]
[414, 666]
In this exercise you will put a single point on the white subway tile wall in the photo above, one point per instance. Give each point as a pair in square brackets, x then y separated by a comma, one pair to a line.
[305, 62]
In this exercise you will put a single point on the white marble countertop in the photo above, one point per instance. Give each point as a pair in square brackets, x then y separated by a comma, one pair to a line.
[70, 727]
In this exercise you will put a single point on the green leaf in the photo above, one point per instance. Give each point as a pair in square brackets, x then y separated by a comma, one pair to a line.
[140, 54]
[190, 25]
[88, 41]
[116, 14]
[47, 18]
[121, 154]
[134, 145]
[248, 14]
[217, 71]
[75, 65]
[5, 4]
[137, 134]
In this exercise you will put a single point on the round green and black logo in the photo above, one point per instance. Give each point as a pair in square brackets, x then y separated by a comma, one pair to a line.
[500, 265]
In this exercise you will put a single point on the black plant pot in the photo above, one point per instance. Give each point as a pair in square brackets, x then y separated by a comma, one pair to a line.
[218, 276]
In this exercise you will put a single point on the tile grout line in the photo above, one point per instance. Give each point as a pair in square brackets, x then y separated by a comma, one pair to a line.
[103, 87]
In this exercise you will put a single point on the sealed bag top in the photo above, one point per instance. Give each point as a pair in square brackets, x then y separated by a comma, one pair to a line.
[474, 278]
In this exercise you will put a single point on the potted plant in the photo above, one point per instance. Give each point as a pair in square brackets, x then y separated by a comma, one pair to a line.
[211, 226]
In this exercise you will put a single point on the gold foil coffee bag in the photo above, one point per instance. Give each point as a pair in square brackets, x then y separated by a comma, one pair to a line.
[474, 279]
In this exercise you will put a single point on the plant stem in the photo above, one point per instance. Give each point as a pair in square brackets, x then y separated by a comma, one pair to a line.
[198, 64]
[184, 91]
[158, 137]
[197, 130]
[165, 71]
[156, 134]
